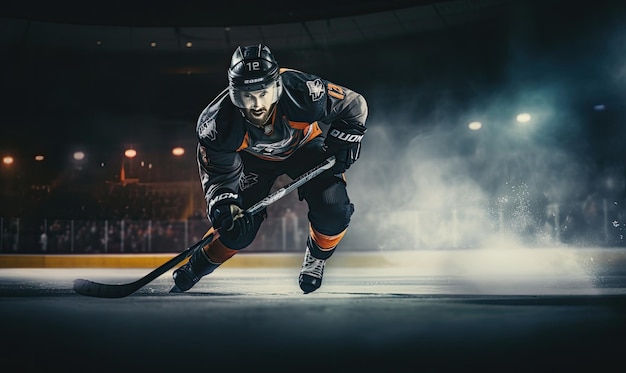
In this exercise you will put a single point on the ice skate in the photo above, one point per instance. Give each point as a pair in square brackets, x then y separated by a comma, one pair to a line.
[191, 272]
[311, 273]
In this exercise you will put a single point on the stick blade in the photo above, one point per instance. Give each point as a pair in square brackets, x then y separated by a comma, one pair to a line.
[98, 290]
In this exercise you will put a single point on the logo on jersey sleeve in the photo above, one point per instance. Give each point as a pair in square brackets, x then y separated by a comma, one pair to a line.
[246, 181]
[316, 89]
[207, 129]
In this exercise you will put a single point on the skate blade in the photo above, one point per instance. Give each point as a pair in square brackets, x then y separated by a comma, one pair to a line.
[176, 290]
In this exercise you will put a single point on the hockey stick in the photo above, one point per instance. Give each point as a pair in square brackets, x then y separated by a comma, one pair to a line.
[96, 289]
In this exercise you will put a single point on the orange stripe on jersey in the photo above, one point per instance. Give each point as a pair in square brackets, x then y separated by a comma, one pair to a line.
[323, 241]
[300, 125]
[283, 69]
[245, 143]
[315, 131]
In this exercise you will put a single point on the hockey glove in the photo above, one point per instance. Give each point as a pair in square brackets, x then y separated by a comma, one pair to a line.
[232, 220]
[344, 142]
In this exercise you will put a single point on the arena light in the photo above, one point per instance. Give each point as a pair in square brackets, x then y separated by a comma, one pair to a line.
[475, 126]
[178, 151]
[130, 153]
[523, 118]
[7, 160]
[79, 156]
[39, 157]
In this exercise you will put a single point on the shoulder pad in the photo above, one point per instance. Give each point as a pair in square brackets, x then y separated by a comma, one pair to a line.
[220, 126]
[303, 95]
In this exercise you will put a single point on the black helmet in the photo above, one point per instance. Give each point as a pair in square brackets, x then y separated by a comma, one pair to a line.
[253, 68]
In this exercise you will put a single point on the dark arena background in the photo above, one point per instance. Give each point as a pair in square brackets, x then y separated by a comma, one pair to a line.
[490, 194]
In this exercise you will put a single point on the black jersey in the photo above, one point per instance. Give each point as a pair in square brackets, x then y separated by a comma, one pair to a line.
[223, 131]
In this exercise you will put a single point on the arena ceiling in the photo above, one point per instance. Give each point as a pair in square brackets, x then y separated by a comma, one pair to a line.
[132, 26]
[90, 71]
[189, 13]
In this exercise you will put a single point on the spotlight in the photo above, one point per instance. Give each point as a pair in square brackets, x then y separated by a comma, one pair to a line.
[523, 118]
[79, 156]
[475, 126]
[130, 153]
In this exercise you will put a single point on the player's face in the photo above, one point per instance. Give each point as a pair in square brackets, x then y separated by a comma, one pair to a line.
[257, 105]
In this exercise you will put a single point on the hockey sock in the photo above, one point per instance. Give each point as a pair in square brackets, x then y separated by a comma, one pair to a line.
[322, 246]
[218, 253]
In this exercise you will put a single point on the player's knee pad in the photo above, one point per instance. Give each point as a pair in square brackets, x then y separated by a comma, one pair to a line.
[332, 220]
[330, 208]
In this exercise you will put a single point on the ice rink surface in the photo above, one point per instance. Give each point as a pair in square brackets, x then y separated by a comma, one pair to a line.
[479, 311]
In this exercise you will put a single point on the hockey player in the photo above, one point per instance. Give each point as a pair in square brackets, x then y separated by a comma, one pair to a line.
[263, 125]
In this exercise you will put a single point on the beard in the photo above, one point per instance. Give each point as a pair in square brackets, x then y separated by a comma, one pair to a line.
[260, 117]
